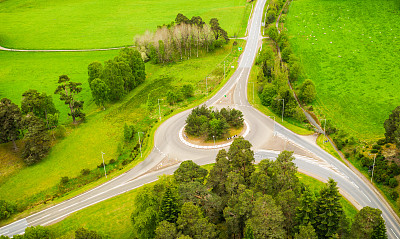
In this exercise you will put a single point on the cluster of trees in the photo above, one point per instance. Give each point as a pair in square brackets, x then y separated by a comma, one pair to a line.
[203, 121]
[6, 209]
[180, 39]
[236, 200]
[117, 77]
[277, 73]
[274, 8]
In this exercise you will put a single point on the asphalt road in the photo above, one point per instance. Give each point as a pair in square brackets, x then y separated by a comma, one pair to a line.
[168, 148]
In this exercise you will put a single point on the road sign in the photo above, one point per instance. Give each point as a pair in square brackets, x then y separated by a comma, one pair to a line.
[239, 49]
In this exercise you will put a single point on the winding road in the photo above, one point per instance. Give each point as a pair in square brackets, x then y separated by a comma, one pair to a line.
[267, 137]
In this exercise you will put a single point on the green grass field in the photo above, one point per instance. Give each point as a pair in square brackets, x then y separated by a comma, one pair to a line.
[81, 24]
[116, 211]
[350, 49]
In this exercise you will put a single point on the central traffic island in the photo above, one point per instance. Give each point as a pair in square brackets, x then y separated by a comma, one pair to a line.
[212, 128]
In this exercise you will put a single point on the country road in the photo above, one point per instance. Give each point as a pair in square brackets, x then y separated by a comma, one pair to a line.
[268, 139]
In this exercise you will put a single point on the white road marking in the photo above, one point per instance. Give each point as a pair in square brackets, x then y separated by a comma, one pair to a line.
[40, 218]
[394, 233]
[366, 196]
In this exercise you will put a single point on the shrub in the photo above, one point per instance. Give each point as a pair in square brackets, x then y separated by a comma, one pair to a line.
[85, 171]
[111, 161]
[394, 195]
[377, 147]
[374, 151]
[60, 132]
[187, 90]
[6, 209]
[393, 182]
[64, 180]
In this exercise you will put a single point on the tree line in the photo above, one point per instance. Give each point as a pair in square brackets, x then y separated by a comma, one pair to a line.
[277, 71]
[117, 77]
[181, 39]
[236, 199]
[203, 121]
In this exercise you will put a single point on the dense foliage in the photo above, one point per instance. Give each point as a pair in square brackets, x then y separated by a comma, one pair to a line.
[203, 121]
[117, 77]
[180, 39]
[237, 200]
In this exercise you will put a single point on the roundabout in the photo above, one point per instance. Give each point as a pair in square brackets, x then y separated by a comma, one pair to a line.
[199, 145]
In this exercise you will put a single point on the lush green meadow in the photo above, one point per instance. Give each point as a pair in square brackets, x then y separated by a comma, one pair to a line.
[117, 211]
[78, 24]
[351, 50]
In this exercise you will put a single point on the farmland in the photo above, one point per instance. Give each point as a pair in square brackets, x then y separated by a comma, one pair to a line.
[86, 24]
[350, 49]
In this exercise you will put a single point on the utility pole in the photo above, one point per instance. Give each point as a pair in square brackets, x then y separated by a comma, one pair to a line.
[140, 144]
[159, 110]
[105, 173]
[283, 107]
[373, 167]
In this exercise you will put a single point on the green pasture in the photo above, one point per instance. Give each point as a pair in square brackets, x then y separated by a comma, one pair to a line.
[81, 24]
[102, 130]
[351, 50]
[116, 212]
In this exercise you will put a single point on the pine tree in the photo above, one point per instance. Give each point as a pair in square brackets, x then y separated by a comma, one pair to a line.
[328, 211]
[306, 232]
[169, 206]
[379, 231]
[305, 213]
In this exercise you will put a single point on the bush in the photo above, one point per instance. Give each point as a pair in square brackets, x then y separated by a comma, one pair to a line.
[84, 172]
[6, 209]
[393, 182]
[64, 180]
[60, 132]
[83, 233]
[112, 161]
[381, 141]
[394, 195]
[377, 147]
[374, 151]
[187, 90]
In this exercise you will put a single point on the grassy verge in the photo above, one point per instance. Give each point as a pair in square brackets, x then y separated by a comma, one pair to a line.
[328, 147]
[347, 49]
[97, 24]
[116, 212]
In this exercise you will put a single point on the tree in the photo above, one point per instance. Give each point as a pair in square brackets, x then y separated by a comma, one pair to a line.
[368, 223]
[38, 232]
[218, 31]
[180, 18]
[192, 223]
[307, 91]
[219, 173]
[241, 158]
[6, 209]
[166, 230]
[67, 91]
[95, 70]
[287, 200]
[286, 178]
[306, 232]
[249, 233]
[39, 104]
[273, 32]
[10, 121]
[83, 233]
[136, 65]
[328, 210]
[305, 212]
[266, 219]
[187, 90]
[114, 80]
[392, 127]
[129, 132]
[189, 171]
[169, 209]
[37, 140]
[100, 92]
